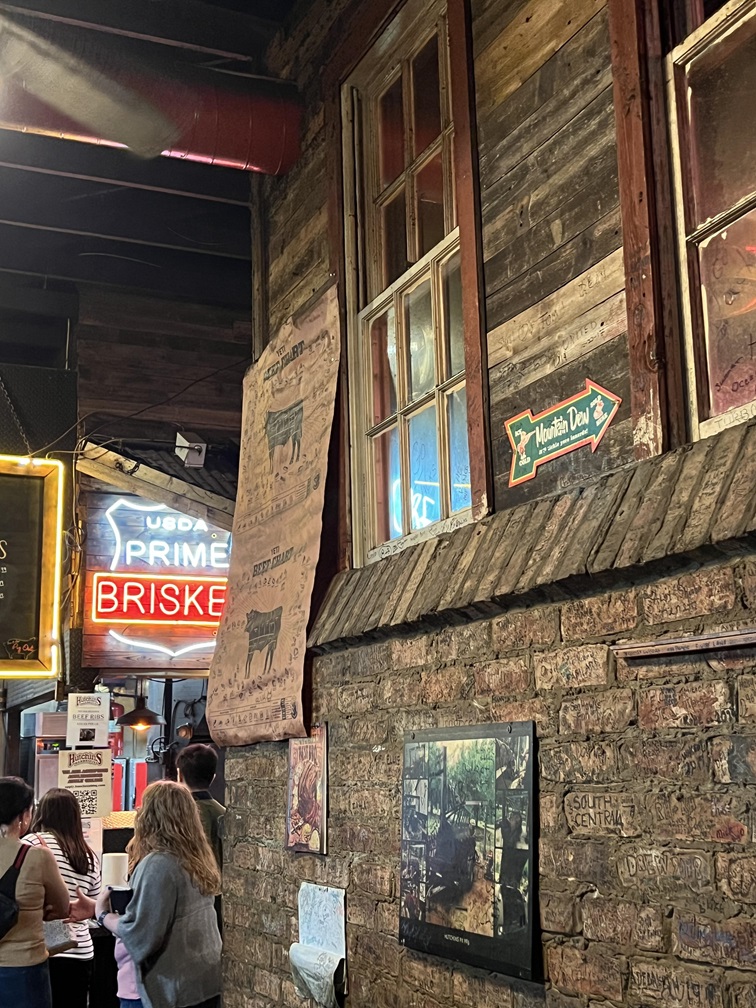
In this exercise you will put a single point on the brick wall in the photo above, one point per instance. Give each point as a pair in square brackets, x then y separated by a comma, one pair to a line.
[647, 780]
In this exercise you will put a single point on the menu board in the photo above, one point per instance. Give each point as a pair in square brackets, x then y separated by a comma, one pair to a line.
[21, 525]
[31, 516]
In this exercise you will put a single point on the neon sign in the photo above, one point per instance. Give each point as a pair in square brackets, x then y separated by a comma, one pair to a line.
[166, 570]
[135, 546]
[154, 599]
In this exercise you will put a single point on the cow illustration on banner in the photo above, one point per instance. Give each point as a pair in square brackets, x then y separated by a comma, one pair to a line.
[255, 690]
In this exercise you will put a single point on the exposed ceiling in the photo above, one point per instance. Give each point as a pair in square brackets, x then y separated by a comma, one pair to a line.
[73, 212]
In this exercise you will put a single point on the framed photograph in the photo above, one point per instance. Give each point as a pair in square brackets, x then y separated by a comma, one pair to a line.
[467, 845]
[307, 792]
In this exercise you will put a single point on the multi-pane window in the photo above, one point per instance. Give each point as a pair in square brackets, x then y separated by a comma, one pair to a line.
[407, 362]
[712, 83]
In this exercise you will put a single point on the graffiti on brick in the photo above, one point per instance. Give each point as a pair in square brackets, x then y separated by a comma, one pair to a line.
[737, 876]
[579, 761]
[692, 868]
[725, 943]
[734, 759]
[686, 706]
[697, 817]
[674, 988]
[601, 812]
[677, 758]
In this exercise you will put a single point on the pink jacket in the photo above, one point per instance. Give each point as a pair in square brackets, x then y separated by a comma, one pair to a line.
[127, 985]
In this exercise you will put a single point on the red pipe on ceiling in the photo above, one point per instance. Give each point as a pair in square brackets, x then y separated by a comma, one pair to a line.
[189, 112]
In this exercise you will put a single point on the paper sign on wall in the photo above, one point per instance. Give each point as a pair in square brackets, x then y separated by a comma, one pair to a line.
[86, 773]
[255, 690]
[92, 829]
[87, 723]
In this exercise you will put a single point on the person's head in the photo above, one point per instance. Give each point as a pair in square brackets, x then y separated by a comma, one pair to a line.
[16, 806]
[169, 822]
[59, 813]
[196, 766]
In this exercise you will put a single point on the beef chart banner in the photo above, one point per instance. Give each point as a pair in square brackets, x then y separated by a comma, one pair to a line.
[255, 690]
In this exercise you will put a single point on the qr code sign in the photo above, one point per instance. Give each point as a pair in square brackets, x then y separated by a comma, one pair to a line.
[87, 801]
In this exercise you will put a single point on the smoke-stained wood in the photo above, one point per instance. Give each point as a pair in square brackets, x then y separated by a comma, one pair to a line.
[552, 231]
[136, 352]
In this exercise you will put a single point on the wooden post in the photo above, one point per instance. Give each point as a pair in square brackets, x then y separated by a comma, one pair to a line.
[656, 396]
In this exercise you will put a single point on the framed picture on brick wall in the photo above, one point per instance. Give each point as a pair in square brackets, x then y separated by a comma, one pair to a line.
[467, 847]
[306, 821]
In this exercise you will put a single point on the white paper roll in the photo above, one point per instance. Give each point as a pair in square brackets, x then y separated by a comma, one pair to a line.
[313, 971]
[115, 870]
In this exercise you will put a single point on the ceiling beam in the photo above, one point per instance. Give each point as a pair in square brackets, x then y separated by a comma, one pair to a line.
[83, 259]
[135, 477]
[46, 156]
[183, 23]
[105, 210]
[31, 300]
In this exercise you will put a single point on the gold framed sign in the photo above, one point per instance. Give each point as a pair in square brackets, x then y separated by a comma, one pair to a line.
[31, 556]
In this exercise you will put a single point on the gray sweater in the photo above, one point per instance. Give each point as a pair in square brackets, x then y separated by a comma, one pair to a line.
[170, 931]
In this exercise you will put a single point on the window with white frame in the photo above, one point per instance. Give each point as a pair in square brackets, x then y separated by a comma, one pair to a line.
[410, 457]
[711, 79]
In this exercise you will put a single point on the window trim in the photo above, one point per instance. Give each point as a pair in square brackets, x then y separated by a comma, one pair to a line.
[466, 195]
[696, 365]
[657, 397]
[659, 375]
[427, 268]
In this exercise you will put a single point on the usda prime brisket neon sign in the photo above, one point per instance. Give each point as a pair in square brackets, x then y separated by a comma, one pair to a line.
[166, 569]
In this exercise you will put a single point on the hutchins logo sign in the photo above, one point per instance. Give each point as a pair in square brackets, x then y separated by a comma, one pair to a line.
[88, 701]
[85, 759]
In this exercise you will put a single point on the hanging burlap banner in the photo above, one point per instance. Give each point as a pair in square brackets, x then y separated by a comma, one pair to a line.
[255, 691]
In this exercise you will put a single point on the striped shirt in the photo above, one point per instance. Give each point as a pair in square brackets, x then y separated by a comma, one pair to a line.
[89, 884]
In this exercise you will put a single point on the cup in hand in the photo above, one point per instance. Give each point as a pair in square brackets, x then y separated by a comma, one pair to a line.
[119, 898]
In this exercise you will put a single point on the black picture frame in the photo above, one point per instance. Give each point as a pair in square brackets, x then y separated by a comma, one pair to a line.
[468, 871]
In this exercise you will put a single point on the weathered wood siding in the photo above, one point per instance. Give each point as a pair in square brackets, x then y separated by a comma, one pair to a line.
[135, 352]
[550, 219]
[554, 281]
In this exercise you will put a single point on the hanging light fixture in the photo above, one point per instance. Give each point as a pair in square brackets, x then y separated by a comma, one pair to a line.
[141, 718]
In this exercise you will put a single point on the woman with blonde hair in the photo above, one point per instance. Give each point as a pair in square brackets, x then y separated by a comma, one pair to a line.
[169, 929]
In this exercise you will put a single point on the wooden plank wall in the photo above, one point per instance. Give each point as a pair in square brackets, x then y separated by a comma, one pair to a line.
[550, 219]
[299, 256]
[554, 281]
[134, 352]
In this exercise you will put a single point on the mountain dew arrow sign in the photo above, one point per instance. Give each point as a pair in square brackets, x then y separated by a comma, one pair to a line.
[581, 420]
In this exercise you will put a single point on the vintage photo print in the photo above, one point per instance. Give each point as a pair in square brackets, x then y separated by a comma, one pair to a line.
[467, 845]
[307, 786]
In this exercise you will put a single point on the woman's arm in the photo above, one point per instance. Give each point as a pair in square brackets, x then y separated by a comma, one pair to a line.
[56, 892]
[105, 916]
[152, 909]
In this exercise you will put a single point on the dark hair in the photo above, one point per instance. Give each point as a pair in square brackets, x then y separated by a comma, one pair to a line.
[16, 797]
[198, 764]
[59, 813]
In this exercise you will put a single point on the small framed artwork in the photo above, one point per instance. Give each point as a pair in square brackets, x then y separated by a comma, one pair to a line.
[307, 792]
[467, 845]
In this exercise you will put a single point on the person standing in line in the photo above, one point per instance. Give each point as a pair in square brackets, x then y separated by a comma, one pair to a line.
[40, 893]
[169, 929]
[197, 766]
[57, 826]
